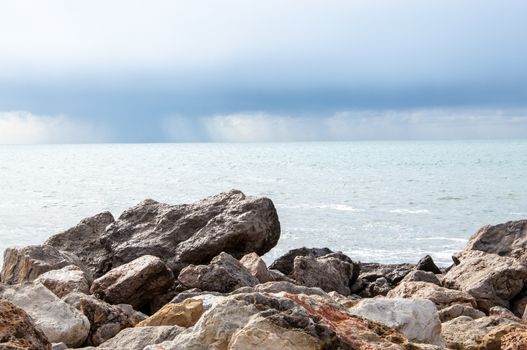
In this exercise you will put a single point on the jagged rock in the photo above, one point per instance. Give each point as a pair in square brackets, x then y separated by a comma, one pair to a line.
[440, 296]
[26, 264]
[466, 333]
[59, 346]
[252, 320]
[519, 303]
[285, 263]
[489, 278]
[105, 320]
[257, 267]
[380, 287]
[456, 310]
[18, 331]
[288, 287]
[65, 280]
[508, 239]
[136, 283]
[505, 337]
[393, 273]
[427, 264]
[140, 337]
[184, 314]
[331, 272]
[59, 321]
[417, 319]
[421, 276]
[500, 311]
[83, 240]
[224, 274]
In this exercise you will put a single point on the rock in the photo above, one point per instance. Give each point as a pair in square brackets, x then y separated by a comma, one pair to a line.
[456, 310]
[500, 311]
[427, 264]
[508, 239]
[59, 346]
[288, 287]
[285, 263]
[505, 337]
[417, 319]
[440, 296]
[332, 272]
[18, 331]
[140, 337]
[105, 320]
[26, 264]
[66, 280]
[257, 267]
[519, 303]
[83, 241]
[379, 287]
[59, 321]
[466, 333]
[224, 274]
[136, 283]
[184, 314]
[393, 273]
[489, 278]
[289, 321]
[421, 276]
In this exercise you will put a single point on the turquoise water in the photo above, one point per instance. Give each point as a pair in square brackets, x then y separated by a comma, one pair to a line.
[375, 201]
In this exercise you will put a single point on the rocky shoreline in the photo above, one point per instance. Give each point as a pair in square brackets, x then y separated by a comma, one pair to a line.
[166, 277]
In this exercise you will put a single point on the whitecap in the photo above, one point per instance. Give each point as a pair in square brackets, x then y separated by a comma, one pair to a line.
[409, 211]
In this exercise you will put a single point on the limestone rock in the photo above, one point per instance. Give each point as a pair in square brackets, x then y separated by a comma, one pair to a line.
[456, 310]
[440, 296]
[489, 278]
[505, 337]
[285, 263]
[288, 287]
[140, 337]
[427, 264]
[184, 314]
[507, 239]
[18, 331]
[331, 272]
[500, 311]
[417, 319]
[393, 273]
[26, 264]
[83, 240]
[379, 287]
[257, 267]
[136, 283]
[466, 333]
[224, 274]
[65, 280]
[59, 321]
[421, 276]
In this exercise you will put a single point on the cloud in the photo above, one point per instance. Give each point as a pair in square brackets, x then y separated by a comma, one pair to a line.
[21, 127]
[351, 125]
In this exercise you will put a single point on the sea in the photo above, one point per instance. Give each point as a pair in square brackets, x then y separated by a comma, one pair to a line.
[388, 202]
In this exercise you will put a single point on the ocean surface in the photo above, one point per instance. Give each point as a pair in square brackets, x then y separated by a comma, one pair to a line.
[375, 201]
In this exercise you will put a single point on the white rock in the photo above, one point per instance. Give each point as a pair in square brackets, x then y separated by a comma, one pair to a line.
[65, 280]
[59, 321]
[417, 319]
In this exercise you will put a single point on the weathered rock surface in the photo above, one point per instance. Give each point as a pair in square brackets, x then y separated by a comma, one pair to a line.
[26, 264]
[65, 280]
[83, 240]
[421, 276]
[507, 239]
[466, 333]
[184, 314]
[456, 310]
[417, 319]
[427, 264]
[331, 272]
[393, 273]
[251, 320]
[224, 274]
[59, 321]
[442, 297]
[379, 287]
[489, 278]
[257, 267]
[105, 320]
[18, 331]
[140, 337]
[288, 287]
[136, 283]
[285, 263]
[506, 337]
[519, 304]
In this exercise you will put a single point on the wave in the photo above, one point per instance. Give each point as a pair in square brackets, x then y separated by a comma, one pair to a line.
[439, 238]
[409, 211]
[450, 198]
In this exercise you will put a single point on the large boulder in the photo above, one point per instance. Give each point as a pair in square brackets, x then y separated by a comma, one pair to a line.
[140, 337]
[137, 283]
[505, 337]
[27, 263]
[83, 240]
[184, 314]
[331, 272]
[417, 319]
[65, 280]
[442, 297]
[18, 331]
[491, 279]
[224, 274]
[466, 333]
[59, 321]
[507, 239]
[285, 263]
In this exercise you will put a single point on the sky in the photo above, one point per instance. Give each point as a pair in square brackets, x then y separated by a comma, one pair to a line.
[249, 71]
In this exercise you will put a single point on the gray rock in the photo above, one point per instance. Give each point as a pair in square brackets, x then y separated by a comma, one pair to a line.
[380, 287]
[285, 263]
[59, 346]
[136, 283]
[500, 311]
[394, 273]
[224, 274]
[427, 264]
[457, 310]
[140, 337]
[421, 276]
[66, 280]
